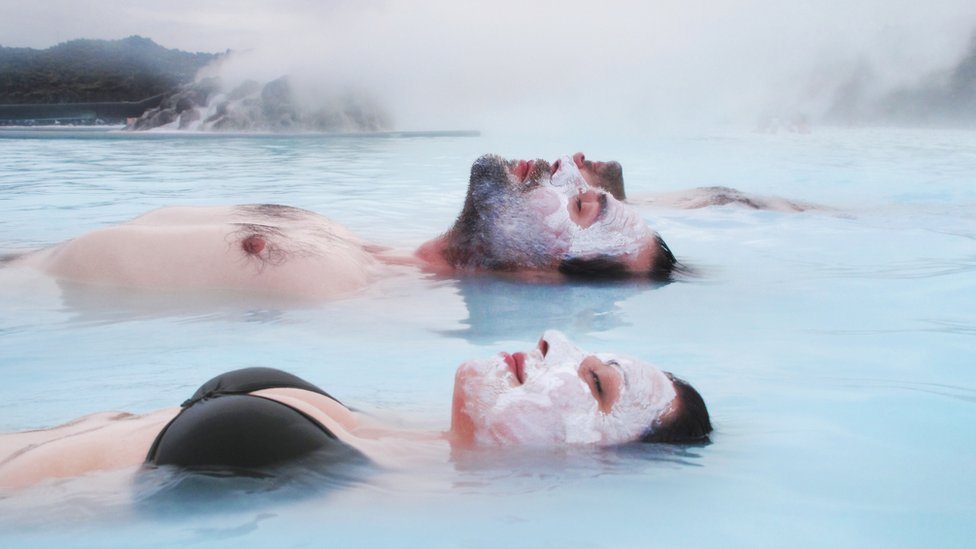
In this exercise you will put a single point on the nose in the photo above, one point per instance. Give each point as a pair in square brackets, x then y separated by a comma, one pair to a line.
[543, 345]
[554, 344]
[579, 159]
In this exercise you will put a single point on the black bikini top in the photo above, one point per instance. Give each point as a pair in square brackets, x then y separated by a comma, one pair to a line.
[224, 427]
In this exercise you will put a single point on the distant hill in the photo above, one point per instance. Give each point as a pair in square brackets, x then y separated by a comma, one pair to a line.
[946, 98]
[83, 71]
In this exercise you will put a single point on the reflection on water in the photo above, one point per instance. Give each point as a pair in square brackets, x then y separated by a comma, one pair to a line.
[498, 308]
[92, 304]
[168, 492]
[485, 470]
[834, 353]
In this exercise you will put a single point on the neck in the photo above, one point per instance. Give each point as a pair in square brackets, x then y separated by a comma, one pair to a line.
[431, 256]
[398, 448]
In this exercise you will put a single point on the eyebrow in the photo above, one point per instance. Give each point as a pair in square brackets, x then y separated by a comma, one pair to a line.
[603, 205]
[620, 369]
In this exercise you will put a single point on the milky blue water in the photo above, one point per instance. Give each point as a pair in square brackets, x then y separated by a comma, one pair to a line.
[836, 349]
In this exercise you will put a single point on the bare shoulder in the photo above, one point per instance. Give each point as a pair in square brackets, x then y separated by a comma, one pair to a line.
[108, 440]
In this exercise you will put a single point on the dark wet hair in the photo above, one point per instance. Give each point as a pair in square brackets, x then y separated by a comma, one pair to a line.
[608, 267]
[664, 265]
[601, 267]
[469, 239]
[686, 423]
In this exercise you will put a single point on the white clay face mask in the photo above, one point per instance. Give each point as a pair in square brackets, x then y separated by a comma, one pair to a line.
[619, 231]
[554, 405]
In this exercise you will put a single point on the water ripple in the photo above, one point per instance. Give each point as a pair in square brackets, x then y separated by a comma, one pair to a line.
[941, 326]
[956, 392]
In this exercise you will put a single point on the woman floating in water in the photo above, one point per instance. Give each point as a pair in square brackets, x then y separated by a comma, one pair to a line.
[248, 420]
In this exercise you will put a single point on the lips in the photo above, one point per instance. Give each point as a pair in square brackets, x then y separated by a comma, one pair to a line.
[516, 364]
[522, 169]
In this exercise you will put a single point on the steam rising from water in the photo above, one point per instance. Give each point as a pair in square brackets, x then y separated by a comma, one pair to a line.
[560, 66]
[569, 65]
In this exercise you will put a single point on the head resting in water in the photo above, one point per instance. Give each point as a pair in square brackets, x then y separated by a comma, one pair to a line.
[535, 216]
[559, 394]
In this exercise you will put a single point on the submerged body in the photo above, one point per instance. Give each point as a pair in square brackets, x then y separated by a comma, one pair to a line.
[118, 440]
[519, 217]
[532, 218]
[550, 396]
[261, 248]
[703, 197]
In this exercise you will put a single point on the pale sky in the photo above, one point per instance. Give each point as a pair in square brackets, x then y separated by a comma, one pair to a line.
[621, 62]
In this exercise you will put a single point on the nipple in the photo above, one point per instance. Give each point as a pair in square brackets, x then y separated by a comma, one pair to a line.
[253, 244]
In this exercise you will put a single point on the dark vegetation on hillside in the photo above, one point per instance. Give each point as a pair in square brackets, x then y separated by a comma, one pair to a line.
[83, 71]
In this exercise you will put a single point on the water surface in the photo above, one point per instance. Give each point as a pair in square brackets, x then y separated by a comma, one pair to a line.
[834, 348]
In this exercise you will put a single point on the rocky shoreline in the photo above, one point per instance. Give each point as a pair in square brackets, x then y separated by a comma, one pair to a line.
[139, 84]
[252, 106]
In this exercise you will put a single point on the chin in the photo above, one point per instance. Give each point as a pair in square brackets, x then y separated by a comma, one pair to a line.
[462, 427]
[477, 386]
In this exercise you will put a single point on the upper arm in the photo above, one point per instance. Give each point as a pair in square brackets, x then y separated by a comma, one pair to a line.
[102, 441]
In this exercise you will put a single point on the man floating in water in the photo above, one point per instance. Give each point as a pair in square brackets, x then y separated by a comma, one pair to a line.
[520, 217]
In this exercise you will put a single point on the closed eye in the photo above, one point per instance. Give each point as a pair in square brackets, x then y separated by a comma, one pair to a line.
[597, 386]
[603, 380]
[586, 207]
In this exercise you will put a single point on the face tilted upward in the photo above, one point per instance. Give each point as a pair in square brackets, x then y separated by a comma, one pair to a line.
[530, 215]
[558, 394]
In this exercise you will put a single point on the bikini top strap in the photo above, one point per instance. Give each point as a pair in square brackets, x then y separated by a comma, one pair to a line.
[248, 380]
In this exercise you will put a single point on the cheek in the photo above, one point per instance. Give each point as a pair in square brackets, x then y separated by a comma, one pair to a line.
[544, 202]
[556, 226]
[477, 385]
[561, 415]
[520, 236]
[624, 235]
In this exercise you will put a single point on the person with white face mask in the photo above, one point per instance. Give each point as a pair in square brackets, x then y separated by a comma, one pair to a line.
[557, 394]
[259, 419]
[531, 218]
